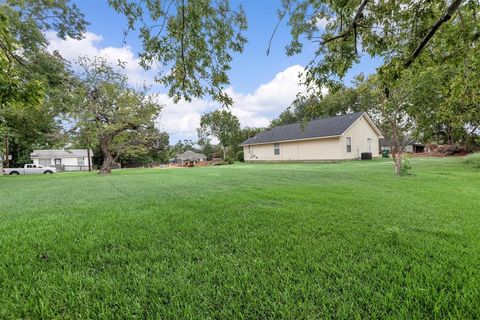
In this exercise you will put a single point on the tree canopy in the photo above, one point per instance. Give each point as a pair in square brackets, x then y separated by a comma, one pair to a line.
[398, 32]
[194, 40]
[223, 125]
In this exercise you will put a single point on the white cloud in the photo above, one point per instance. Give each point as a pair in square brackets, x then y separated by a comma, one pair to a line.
[183, 118]
[254, 109]
[268, 100]
[72, 49]
[321, 22]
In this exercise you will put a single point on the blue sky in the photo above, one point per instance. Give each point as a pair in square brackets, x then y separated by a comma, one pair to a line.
[261, 85]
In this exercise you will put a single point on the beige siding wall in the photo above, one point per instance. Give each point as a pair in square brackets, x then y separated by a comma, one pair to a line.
[360, 132]
[305, 150]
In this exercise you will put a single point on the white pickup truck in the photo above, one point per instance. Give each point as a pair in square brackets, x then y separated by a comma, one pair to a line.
[29, 169]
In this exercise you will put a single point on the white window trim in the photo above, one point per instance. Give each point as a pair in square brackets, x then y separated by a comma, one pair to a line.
[348, 142]
[275, 149]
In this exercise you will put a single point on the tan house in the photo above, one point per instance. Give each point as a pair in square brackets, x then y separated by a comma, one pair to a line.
[336, 138]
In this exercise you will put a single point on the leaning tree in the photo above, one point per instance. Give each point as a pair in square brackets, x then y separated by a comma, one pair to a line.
[111, 113]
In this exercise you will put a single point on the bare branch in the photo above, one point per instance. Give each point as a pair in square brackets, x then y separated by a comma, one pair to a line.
[182, 46]
[276, 27]
[446, 16]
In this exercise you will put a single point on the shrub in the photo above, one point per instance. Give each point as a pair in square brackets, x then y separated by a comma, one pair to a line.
[240, 156]
[473, 160]
[230, 160]
[406, 166]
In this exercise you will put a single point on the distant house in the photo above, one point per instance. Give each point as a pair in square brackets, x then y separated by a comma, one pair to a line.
[335, 138]
[412, 147]
[1, 163]
[190, 156]
[64, 159]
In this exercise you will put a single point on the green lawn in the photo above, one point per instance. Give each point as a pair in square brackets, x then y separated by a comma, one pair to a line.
[296, 241]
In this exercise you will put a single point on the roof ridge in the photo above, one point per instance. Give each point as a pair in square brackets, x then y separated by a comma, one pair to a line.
[340, 115]
[324, 118]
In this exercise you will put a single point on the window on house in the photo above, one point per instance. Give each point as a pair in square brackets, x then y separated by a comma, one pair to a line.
[369, 143]
[349, 144]
[44, 162]
[81, 161]
[276, 149]
[58, 162]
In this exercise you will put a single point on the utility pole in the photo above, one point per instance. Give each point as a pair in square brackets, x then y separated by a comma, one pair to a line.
[6, 147]
[89, 162]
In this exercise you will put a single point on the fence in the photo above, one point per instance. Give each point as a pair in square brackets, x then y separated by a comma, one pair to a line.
[65, 168]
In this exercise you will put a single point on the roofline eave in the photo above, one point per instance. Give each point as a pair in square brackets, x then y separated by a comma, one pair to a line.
[292, 140]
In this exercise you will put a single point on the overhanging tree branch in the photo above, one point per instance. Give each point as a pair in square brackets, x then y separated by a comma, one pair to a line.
[353, 25]
[276, 27]
[182, 43]
[446, 16]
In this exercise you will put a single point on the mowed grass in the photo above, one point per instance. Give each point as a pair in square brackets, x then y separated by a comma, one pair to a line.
[295, 241]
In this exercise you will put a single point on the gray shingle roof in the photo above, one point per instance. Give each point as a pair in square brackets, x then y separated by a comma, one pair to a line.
[61, 153]
[190, 155]
[324, 127]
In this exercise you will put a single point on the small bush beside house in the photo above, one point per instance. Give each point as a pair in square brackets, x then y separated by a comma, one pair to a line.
[240, 156]
[473, 160]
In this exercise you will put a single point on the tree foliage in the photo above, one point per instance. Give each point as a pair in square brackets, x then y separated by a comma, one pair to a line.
[224, 126]
[194, 40]
[23, 24]
[395, 31]
[306, 108]
[141, 147]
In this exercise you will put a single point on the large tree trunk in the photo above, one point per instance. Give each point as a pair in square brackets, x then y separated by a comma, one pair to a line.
[398, 163]
[224, 153]
[107, 164]
[106, 155]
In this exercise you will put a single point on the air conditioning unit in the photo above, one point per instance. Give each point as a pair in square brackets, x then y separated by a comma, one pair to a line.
[366, 156]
